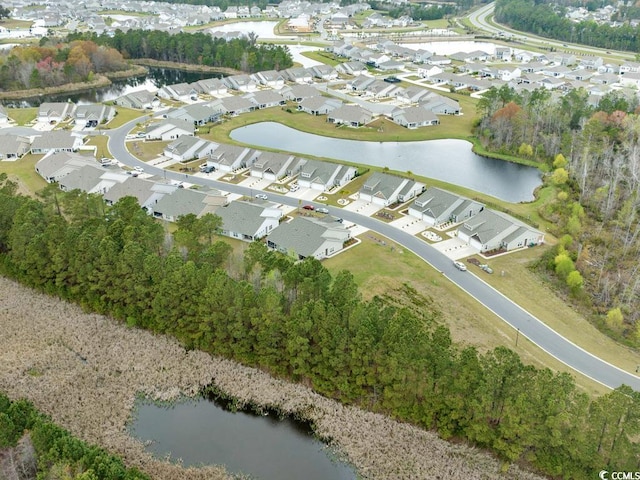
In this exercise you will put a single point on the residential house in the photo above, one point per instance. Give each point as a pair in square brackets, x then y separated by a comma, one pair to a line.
[503, 54]
[249, 221]
[354, 68]
[169, 129]
[324, 72]
[141, 100]
[441, 105]
[232, 106]
[86, 178]
[413, 94]
[324, 176]
[241, 83]
[270, 78]
[421, 55]
[4, 115]
[630, 79]
[629, 67]
[188, 147]
[319, 105]
[85, 114]
[384, 189]
[54, 112]
[274, 166]
[591, 62]
[142, 190]
[265, 99]
[436, 206]
[490, 231]
[55, 141]
[414, 117]
[298, 75]
[306, 237]
[428, 71]
[297, 93]
[382, 89]
[12, 147]
[56, 165]
[182, 92]
[229, 158]
[211, 86]
[184, 201]
[438, 60]
[197, 114]
[360, 83]
[351, 115]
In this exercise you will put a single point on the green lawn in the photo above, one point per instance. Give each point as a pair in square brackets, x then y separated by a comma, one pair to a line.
[146, 151]
[15, 23]
[324, 57]
[100, 141]
[23, 172]
[123, 116]
[22, 116]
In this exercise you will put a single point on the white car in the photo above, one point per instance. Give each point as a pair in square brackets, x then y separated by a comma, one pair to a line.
[138, 169]
[261, 196]
[460, 266]
[294, 188]
[322, 210]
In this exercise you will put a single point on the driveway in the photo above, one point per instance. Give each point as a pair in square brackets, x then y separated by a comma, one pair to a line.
[363, 208]
[454, 248]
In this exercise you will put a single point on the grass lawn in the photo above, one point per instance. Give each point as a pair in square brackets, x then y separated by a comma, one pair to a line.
[22, 116]
[100, 141]
[146, 151]
[10, 23]
[388, 267]
[23, 172]
[123, 116]
[324, 57]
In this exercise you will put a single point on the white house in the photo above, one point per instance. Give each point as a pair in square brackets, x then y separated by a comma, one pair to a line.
[305, 237]
[249, 221]
[414, 117]
[436, 206]
[188, 147]
[182, 92]
[324, 176]
[229, 158]
[274, 166]
[54, 112]
[169, 129]
[384, 189]
[55, 141]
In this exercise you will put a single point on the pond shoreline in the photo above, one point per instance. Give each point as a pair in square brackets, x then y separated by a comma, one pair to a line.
[44, 338]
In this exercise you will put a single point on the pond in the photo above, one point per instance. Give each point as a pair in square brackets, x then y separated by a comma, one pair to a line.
[202, 432]
[154, 79]
[448, 160]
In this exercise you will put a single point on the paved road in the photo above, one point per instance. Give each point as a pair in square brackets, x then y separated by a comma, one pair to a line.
[527, 325]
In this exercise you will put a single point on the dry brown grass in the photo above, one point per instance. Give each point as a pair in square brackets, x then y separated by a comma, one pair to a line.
[85, 370]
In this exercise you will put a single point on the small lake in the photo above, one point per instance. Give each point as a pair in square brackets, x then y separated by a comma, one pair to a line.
[156, 78]
[201, 432]
[449, 160]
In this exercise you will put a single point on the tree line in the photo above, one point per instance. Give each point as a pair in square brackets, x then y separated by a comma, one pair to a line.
[25, 67]
[294, 319]
[546, 19]
[194, 48]
[32, 446]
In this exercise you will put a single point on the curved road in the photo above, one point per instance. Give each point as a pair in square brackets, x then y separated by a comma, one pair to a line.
[527, 325]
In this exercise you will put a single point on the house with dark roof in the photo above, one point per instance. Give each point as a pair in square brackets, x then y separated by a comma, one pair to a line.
[305, 237]
[436, 206]
[351, 115]
[490, 230]
[384, 189]
[55, 141]
[324, 176]
[249, 221]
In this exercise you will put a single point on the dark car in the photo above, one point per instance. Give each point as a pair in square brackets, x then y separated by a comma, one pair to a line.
[308, 207]
[392, 80]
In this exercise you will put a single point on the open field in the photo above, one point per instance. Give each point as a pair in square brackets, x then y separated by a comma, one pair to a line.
[85, 371]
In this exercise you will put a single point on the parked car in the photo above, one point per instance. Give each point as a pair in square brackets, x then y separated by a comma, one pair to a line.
[261, 196]
[204, 168]
[138, 169]
[460, 266]
[308, 207]
[294, 188]
[392, 80]
[322, 210]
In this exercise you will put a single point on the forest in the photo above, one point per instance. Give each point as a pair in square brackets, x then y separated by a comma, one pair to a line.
[194, 48]
[593, 158]
[547, 19]
[30, 445]
[25, 67]
[296, 320]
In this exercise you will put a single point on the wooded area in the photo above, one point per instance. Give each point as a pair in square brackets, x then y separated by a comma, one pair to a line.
[28, 67]
[295, 320]
[196, 48]
[594, 158]
[546, 18]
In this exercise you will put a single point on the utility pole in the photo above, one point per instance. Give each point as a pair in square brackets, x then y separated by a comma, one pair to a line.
[517, 335]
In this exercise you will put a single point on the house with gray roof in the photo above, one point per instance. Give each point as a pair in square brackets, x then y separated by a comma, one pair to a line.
[211, 86]
[241, 83]
[297, 93]
[184, 201]
[229, 158]
[136, 187]
[141, 100]
[414, 117]
[55, 141]
[270, 78]
[354, 68]
[491, 231]
[319, 105]
[436, 206]
[196, 113]
[324, 72]
[298, 75]
[265, 99]
[55, 166]
[55, 112]
[169, 129]
[360, 83]
[249, 221]
[413, 94]
[97, 113]
[324, 176]
[188, 147]
[305, 237]
[232, 106]
[85, 178]
[384, 189]
[351, 115]
[274, 166]
[12, 147]
[441, 105]
[4, 115]
[182, 92]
